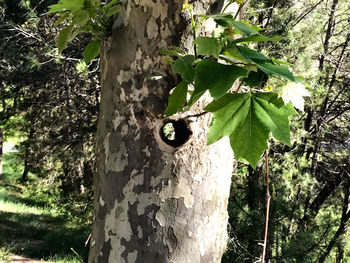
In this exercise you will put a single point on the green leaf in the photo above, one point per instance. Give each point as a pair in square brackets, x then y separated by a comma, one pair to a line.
[248, 118]
[113, 10]
[80, 17]
[244, 28]
[109, 5]
[184, 66]
[215, 77]
[255, 79]
[63, 37]
[251, 55]
[177, 99]
[55, 8]
[208, 46]
[256, 38]
[86, 28]
[91, 51]
[222, 19]
[63, 17]
[226, 20]
[73, 5]
[265, 64]
[233, 52]
[281, 71]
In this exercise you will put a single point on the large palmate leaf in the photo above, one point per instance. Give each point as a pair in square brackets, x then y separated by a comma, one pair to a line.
[248, 118]
[208, 46]
[216, 77]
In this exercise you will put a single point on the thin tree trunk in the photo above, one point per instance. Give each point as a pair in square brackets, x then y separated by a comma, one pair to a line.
[1, 151]
[328, 34]
[343, 222]
[25, 174]
[340, 255]
[154, 202]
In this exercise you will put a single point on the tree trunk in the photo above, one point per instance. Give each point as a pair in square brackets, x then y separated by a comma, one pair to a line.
[154, 202]
[1, 153]
[25, 174]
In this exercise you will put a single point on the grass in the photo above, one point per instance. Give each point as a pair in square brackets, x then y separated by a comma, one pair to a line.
[31, 228]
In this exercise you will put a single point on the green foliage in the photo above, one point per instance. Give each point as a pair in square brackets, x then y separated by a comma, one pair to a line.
[91, 51]
[84, 16]
[309, 179]
[183, 66]
[249, 114]
[32, 228]
[208, 46]
[216, 77]
[177, 98]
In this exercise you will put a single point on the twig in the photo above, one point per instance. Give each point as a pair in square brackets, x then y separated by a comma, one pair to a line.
[268, 197]
[87, 240]
[196, 115]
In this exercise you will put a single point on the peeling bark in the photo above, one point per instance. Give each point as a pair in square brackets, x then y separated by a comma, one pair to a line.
[154, 202]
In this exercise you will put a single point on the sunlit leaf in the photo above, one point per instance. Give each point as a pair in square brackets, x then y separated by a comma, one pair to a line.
[294, 92]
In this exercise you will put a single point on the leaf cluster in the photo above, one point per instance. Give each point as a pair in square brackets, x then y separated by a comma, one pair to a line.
[249, 116]
[84, 16]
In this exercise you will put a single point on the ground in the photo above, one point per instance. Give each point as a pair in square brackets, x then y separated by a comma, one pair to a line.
[31, 230]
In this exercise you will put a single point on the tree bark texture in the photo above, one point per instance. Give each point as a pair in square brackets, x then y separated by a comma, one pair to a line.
[154, 202]
[1, 150]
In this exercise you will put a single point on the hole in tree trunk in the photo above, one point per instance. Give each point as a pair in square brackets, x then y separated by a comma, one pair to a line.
[175, 133]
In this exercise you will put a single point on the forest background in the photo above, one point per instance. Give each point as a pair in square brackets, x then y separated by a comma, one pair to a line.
[49, 108]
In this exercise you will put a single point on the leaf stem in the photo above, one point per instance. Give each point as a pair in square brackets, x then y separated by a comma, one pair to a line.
[194, 29]
[239, 9]
[228, 4]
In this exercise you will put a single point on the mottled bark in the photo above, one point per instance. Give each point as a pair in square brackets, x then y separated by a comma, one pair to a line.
[154, 202]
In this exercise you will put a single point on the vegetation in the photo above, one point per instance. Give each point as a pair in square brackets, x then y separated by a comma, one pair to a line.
[310, 179]
[50, 97]
[32, 225]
